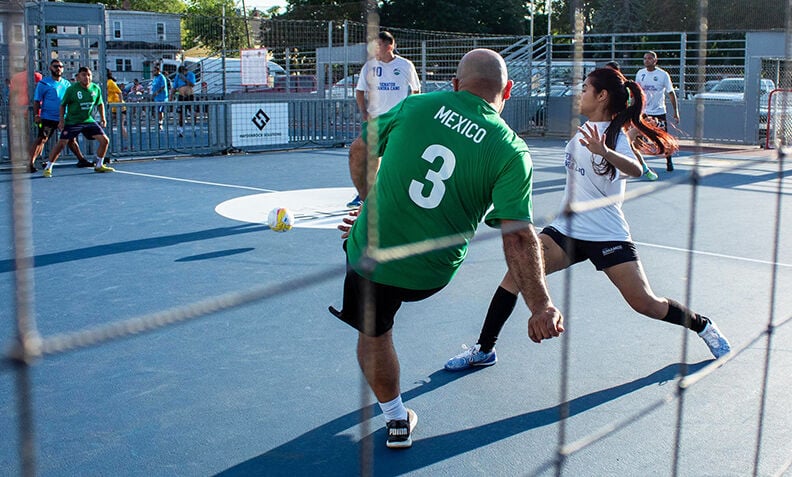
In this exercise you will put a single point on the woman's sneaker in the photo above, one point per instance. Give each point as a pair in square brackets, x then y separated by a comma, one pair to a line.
[400, 431]
[717, 343]
[650, 174]
[471, 357]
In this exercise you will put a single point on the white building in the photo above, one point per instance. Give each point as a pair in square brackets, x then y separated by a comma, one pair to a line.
[137, 40]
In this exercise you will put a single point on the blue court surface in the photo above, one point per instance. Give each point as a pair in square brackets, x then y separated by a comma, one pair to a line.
[273, 387]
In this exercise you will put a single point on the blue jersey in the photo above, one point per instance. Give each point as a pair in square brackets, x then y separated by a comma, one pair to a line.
[50, 93]
[159, 87]
[179, 82]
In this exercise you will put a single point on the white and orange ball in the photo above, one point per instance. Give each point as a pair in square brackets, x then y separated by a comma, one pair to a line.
[280, 219]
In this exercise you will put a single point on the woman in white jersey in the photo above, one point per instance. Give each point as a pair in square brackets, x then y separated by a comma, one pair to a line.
[597, 160]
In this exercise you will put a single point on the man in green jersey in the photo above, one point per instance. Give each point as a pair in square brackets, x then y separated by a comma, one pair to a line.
[447, 157]
[76, 116]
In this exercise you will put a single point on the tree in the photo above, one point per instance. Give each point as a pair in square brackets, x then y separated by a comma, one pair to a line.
[159, 6]
[324, 10]
[203, 26]
[469, 16]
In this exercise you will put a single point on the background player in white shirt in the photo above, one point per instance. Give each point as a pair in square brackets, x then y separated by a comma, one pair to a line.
[384, 81]
[656, 82]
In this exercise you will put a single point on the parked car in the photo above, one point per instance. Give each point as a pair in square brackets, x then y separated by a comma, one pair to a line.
[557, 90]
[733, 89]
[344, 88]
[710, 84]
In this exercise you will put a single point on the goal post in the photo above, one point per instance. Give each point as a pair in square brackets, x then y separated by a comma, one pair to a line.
[779, 118]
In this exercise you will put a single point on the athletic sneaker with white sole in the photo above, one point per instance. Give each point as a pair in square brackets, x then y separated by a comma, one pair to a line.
[716, 342]
[400, 431]
[471, 357]
[355, 203]
[650, 174]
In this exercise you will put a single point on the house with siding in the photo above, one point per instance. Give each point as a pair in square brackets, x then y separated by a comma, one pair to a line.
[137, 40]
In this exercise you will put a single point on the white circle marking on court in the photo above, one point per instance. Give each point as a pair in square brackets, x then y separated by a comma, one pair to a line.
[312, 208]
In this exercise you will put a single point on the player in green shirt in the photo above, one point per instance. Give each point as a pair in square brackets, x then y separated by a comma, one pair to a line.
[76, 116]
[447, 157]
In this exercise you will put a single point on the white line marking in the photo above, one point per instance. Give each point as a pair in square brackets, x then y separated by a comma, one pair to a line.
[195, 182]
[711, 254]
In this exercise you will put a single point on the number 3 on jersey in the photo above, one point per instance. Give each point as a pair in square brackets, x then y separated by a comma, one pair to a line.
[434, 179]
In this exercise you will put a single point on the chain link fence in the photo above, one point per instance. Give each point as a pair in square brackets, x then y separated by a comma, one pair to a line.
[778, 104]
[320, 60]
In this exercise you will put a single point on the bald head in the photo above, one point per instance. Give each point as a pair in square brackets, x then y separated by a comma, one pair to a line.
[483, 73]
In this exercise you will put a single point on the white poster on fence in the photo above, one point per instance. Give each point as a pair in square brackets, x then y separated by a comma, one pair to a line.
[259, 124]
[254, 67]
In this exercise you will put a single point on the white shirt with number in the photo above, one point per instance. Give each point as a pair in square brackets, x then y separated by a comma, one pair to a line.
[387, 83]
[655, 85]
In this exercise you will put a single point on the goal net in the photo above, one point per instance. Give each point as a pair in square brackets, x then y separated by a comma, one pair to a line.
[779, 119]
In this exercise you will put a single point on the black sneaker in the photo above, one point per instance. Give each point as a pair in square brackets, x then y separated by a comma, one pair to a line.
[400, 431]
[32, 168]
[84, 163]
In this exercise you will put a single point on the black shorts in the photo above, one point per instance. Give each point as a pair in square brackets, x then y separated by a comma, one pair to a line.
[46, 128]
[660, 119]
[387, 301]
[190, 97]
[602, 254]
[89, 130]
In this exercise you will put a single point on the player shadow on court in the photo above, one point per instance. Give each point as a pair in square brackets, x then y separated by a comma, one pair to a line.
[134, 246]
[325, 451]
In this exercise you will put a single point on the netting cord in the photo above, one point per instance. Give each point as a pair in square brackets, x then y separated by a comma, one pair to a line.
[564, 413]
[65, 342]
[771, 312]
[26, 333]
[695, 180]
[72, 341]
[781, 154]
[29, 347]
[369, 306]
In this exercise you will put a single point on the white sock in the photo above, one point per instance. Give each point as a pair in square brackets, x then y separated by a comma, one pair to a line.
[394, 410]
[99, 161]
[49, 166]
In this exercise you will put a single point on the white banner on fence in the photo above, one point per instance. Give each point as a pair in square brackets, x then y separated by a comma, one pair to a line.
[259, 124]
[254, 67]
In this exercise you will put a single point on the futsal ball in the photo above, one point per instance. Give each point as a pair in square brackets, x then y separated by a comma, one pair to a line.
[280, 219]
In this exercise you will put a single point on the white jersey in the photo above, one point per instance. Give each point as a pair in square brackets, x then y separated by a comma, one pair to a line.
[655, 85]
[602, 224]
[387, 83]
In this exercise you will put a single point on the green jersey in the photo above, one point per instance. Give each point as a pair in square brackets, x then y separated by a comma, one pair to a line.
[80, 102]
[447, 157]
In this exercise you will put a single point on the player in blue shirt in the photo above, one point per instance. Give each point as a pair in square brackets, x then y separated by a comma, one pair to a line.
[46, 113]
[183, 87]
[159, 92]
